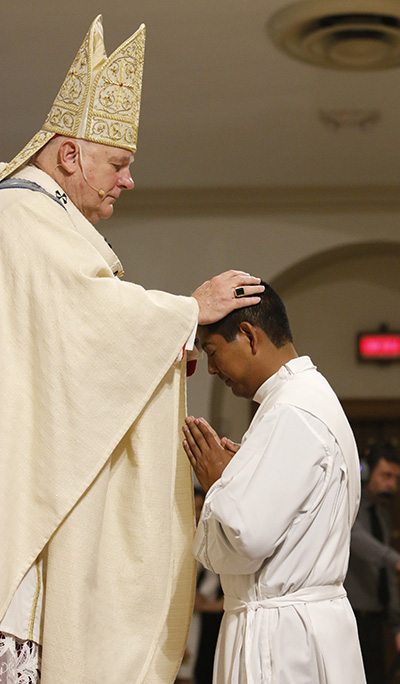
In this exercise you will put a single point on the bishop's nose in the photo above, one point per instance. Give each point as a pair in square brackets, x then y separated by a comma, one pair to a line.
[126, 182]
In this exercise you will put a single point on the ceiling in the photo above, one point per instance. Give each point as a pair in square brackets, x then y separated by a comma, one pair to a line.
[221, 106]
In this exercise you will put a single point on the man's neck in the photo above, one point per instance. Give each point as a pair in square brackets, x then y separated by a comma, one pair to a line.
[272, 366]
[280, 358]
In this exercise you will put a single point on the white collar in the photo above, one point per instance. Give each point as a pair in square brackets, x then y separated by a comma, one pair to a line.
[297, 365]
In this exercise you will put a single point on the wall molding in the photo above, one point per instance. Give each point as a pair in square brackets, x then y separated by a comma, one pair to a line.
[372, 409]
[260, 200]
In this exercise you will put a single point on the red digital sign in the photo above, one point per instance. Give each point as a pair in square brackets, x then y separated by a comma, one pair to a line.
[379, 346]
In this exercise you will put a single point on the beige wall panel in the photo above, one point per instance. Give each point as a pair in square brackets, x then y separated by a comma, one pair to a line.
[337, 270]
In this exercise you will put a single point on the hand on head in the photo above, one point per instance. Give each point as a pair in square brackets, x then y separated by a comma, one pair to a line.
[217, 298]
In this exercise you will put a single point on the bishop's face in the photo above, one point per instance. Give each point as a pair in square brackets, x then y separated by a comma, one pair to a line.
[104, 172]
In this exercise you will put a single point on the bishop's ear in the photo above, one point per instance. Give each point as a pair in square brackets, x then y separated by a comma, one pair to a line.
[69, 155]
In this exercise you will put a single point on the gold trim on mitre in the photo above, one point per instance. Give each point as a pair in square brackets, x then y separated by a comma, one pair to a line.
[99, 99]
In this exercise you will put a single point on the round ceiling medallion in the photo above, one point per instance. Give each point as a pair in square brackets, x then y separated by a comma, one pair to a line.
[340, 34]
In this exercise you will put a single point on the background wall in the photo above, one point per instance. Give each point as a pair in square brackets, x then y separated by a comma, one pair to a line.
[236, 166]
[335, 266]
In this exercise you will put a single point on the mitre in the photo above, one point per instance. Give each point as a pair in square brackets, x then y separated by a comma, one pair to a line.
[99, 99]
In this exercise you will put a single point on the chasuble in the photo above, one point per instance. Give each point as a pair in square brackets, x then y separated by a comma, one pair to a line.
[94, 481]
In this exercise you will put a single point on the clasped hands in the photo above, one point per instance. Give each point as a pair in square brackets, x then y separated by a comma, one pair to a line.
[208, 454]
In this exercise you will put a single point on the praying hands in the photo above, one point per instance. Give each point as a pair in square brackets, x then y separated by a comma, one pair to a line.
[208, 454]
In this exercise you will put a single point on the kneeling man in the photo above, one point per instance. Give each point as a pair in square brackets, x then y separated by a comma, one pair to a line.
[279, 509]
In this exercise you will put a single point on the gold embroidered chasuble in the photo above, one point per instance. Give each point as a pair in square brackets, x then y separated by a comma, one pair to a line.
[92, 470]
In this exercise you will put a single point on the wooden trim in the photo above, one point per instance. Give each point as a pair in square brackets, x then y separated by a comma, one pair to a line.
[256, 200]
[372, 409]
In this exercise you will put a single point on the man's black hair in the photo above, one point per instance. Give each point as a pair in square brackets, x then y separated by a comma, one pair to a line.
[373, 454]
[269, 315]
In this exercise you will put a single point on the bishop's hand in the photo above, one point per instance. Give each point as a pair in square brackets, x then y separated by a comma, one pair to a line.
[220, 295]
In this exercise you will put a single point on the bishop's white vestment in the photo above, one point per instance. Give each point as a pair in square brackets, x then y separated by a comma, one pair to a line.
[95, 489]
[276, 527]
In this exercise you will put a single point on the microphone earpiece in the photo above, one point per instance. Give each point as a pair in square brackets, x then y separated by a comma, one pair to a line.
[101, 193]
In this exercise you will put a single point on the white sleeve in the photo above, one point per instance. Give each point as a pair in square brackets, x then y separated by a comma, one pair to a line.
[190, 347]
[275, 477]
[191, 339]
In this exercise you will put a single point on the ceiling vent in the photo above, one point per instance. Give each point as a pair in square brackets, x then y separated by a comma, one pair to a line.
[340, 34]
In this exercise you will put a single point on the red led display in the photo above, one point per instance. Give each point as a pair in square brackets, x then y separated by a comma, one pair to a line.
[379, 346]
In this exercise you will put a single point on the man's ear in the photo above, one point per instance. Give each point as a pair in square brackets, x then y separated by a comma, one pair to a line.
[251, 334]
[68, 156]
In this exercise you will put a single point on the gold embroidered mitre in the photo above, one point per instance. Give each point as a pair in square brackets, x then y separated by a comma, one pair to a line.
[99, 99]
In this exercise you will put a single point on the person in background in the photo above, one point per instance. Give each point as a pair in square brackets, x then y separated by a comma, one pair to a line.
[374, 565]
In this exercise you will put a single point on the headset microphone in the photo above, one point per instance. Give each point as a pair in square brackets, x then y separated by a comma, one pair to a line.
[101, 193]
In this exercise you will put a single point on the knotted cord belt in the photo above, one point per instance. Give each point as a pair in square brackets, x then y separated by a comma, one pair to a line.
[327, 592]
[256, 658]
